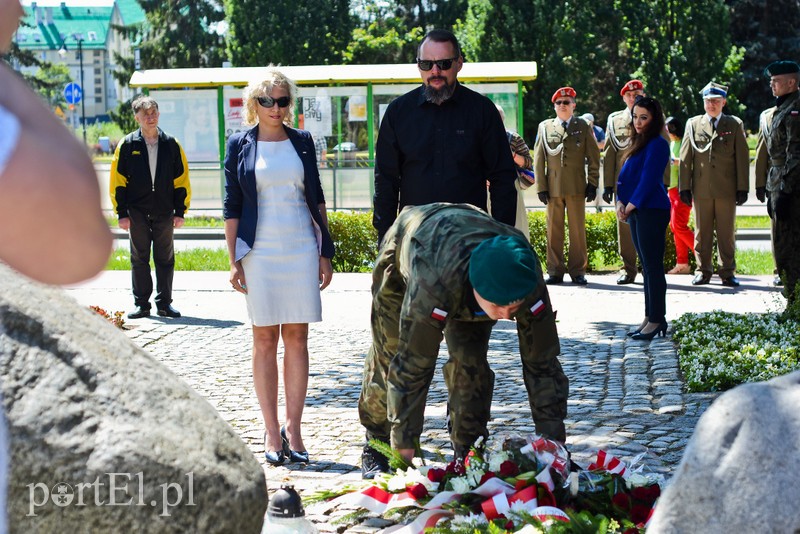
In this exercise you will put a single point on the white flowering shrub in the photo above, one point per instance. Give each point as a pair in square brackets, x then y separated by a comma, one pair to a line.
[719, 350]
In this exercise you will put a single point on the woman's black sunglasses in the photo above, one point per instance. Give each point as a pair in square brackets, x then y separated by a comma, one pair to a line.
[427, 64]
[268, 101]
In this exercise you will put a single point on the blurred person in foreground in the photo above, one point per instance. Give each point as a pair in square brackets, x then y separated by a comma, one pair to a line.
[280, 250]
[680, 212]
[642, 202]
[51, 226]
[44, 171]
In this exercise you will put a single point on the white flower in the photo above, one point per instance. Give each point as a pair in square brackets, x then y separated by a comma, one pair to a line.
[496, 460]
[460, 484]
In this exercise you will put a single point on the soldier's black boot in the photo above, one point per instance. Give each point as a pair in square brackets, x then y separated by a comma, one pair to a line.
[372, 463]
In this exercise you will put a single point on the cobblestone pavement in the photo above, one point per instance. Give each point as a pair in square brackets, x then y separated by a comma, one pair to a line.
[625, 396]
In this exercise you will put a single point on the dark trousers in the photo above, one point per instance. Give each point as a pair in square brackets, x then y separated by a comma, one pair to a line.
[151, 231]
[648, 230]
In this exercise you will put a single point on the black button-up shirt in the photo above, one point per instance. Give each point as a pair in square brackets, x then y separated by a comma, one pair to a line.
[442, 153]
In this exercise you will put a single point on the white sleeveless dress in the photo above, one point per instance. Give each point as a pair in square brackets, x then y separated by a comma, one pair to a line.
[282, 269]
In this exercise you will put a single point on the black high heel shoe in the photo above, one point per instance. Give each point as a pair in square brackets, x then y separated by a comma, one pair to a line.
[275, 458]
[632, 333]
[300, 457]
[661, 330]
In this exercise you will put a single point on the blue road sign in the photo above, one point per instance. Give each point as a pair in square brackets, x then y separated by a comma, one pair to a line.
[73, 93]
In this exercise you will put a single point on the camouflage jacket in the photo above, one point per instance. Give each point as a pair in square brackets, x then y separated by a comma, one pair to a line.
[778, 149]
[433, 244]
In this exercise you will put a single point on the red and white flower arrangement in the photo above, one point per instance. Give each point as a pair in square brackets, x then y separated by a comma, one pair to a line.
[513, 484]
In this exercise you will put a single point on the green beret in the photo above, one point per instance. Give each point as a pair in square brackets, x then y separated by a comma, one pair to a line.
[781, 67]
[503, 269]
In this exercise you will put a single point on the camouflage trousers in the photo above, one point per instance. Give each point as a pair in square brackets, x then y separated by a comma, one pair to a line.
[394, 412]
[785, 244]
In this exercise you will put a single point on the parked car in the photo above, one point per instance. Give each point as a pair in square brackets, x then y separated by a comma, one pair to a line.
[345, 147]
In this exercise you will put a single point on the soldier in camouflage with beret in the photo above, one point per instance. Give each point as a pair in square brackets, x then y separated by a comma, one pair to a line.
[450, 270]
[778, 156]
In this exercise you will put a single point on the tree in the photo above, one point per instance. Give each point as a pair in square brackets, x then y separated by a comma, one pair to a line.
[50, 82]
[767, 31]
[595, 47]
[285, 32]
[177, 34]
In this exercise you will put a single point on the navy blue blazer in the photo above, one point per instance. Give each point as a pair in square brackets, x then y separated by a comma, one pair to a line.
[241, 196]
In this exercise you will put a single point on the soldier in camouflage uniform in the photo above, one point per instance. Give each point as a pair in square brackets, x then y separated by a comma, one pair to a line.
[779, 150]
[422, 291]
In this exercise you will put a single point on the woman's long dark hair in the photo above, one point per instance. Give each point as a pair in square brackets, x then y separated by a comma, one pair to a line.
[654, 128]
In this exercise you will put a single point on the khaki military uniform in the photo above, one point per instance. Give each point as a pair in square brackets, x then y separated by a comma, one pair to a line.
[619, 129]
[778, 163]
[560, 158]
[421, 293]
[715, 164]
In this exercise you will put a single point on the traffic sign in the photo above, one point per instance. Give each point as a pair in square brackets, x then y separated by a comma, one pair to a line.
[73, 93]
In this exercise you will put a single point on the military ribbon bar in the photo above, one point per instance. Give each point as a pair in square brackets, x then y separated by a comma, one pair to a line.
[439, 314]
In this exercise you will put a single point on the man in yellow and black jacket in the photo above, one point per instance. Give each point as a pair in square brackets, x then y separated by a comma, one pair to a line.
[150, 192]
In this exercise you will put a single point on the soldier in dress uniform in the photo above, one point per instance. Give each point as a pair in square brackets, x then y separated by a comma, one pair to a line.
[715, 173]
[450, 270]
[619, 129]
[564, 146]
[778, 168]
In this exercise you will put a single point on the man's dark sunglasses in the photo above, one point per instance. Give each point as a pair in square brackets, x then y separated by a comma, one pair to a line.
[562, 102]
[443, 64]
[268, 101]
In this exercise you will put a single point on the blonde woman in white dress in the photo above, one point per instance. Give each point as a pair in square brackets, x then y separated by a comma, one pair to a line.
[280, 251]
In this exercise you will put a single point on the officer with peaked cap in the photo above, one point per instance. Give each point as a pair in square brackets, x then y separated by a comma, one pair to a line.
[564, 146]
[450, 270]
[619, 129]
[715, 174]
[778, 170]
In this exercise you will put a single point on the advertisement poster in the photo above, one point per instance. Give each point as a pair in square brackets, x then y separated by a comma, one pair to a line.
[191, 117]
[317, 115]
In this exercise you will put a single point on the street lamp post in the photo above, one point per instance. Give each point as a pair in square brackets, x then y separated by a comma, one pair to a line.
[83, 88]
[63, 51]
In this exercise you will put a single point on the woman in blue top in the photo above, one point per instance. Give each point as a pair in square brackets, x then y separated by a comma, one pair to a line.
[642, 202]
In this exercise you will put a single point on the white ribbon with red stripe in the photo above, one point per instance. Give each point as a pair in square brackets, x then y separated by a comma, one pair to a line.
[610, 463]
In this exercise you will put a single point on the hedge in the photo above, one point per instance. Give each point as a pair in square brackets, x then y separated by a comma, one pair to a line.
[356, 240]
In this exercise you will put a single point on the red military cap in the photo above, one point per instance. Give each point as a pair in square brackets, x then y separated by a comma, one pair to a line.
[564, 91]
[633, 85]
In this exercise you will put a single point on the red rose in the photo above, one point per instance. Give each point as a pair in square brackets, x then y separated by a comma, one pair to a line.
[470, 454]
[639, 514]
[436, 474]
[647, 494]
[455, 468]
[418, 491]
[622, 500]
[545, 496]
[640, 493]
[509, 525]
[508, 469]
[486, 476]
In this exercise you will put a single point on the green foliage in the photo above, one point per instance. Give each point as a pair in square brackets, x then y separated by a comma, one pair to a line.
[285, 32]
[719, 350]
[196, 259]
[49, 81]
[104, 129]
[355, 239]
[601, 238]
[177, 34]
[123, 116]
[766, 31]
[383, 41]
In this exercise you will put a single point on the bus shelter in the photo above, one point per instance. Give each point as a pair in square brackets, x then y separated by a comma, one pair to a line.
[341, 105]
